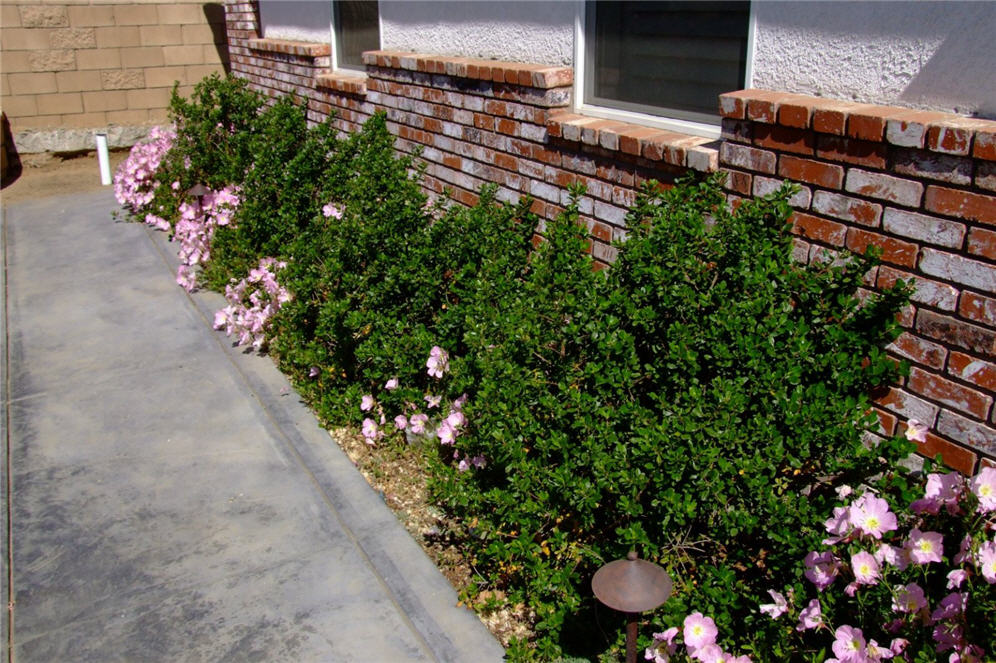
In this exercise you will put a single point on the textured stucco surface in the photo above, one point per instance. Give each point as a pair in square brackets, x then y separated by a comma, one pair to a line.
[935, 55]
[541, 31]
[297, 20]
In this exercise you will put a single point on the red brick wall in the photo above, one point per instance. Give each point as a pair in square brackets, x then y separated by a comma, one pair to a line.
[919, 185]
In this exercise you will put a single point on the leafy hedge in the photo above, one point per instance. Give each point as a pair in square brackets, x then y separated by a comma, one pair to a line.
[698, 402]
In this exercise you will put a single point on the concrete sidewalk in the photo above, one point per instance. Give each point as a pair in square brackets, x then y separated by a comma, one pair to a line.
[170, 498]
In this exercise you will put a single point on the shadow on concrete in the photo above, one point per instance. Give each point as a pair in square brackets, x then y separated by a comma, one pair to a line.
[215, 15]
[10, 161]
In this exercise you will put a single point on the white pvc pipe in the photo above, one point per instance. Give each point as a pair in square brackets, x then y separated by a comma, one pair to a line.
[103, 159]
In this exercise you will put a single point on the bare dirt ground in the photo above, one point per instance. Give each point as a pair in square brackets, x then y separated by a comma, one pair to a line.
[45, 175]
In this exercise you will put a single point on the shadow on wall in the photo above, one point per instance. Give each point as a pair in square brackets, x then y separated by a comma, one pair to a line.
[215, 15]
[10, 162]
[962, 60]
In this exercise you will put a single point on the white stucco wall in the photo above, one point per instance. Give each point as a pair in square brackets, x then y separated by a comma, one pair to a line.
[540, 31]
[936, 55]
[297, 20]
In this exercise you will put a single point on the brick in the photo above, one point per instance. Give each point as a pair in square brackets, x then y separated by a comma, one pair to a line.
[962, 204]
[973, 434]
[762, 106]
[784, 139]
[909, 129]
[118, 37]
[748, 158]
[965, 271]
[53, 60]
[949, 139]
[135, 14]
[145, 56]
[884, 187]
[868, 122]
[73, 38]
[847, 208]
[813, 227]
[702, 158]
[101, 58]
[89, 16]
[829, 176]
[908, 406]
[978, 308]
[919, 350]
[59, 104]
[927, 165]
[982, 242]
[77, 81]
[767, 185]
[976, 371]
[957, 332]
[43, 16]
[929, 293]
[734, 104]
[893, 250]
[797, 113]
[858, 152]
[929, 229]
[952, 455]
[161, 35]
[985, 175]
[105, 101]
[36, 83]
[952, 394]
[886, 421]
[984, 145]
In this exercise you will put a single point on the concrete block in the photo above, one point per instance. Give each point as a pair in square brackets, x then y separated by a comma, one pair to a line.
[44, 16]
[85, 120]
[211, 55]
[40, 83]
[73, 38]
[127, 117]
[122, 79]
[10, 17]
[20, 106]
[197, 34]
[52, 137]
[143, 56]
[37, 122]
[62, 60]
[25, 39]
[77, 81]
[177, 55]
[105, 100]
[166, 76]
[161, 35]
[198, 71]
[135, 14]
[148, 98]
[158, 115]
[59, 103]
[180, 14]
[15, 61]
[4, 86]
[118, 37]
[100, 58]
[91, 15]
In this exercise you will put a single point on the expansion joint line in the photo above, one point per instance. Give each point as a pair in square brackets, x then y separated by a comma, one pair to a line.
[8, 474]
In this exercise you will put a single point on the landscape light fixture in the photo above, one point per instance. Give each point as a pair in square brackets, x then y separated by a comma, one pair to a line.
[631, 586]
[198, 191]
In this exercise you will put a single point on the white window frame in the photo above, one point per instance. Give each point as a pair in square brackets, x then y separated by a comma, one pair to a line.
[360, 71]
[658, 121]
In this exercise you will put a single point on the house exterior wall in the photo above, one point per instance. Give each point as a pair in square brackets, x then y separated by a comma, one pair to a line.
[919, 185]
[72, 69]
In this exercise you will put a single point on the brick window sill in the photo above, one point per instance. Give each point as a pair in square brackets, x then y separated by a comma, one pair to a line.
[343, 83]
[540, 76]
[306, 49]
[670, 147]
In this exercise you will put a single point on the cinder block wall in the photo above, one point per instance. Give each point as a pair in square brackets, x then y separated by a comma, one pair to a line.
[72, 67]
[920, 186]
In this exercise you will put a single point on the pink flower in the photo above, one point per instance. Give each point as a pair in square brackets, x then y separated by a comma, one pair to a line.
[821, 569]
[432, 401]
[367, 402]
[951, 606]
[438, 362]
[898, 557]
[314, 372]
[456, 419]
[871, 516]
[916, 431]
[186, 278]
[663, 646]
[391, 384]
[418, 422]
[479, 462]
[776, 609]
[865, 568]
[948, 636]
[877, 652]
[925, 547]
[985, 560]
[709, 653]
[699, 631]
[839, 525]
[401, 422]
[984, 487]
[446, 433]
[371, 431]
[849, 644]
[964, 553]
[909, 598]
[956, 578]
[941, 490]
[330, 210]
[810, 617]
[459, 403]
[899, 645]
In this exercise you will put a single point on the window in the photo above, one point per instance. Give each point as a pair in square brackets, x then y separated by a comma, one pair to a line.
[668, 60]
[357, 29]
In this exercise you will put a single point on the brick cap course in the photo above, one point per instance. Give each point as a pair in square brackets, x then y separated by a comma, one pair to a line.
[520, 73]
[342, 83]
[303, 48]
[676, 149]
[945, 133]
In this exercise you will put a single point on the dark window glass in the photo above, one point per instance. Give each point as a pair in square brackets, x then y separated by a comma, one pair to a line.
[357, 29]
[670, 58]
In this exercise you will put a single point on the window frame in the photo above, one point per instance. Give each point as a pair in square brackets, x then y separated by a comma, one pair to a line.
[706, 130]
[337, 66]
